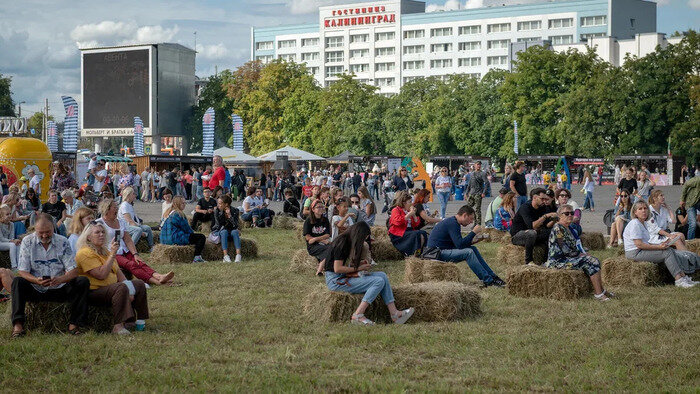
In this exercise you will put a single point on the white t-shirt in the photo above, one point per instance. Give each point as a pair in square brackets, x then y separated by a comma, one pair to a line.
[443, 179]
[166, 205]
[662, 219]
[334, 225]
[110, 235]
[97, 186]
[635, 230]
[589, 186]
[35, 183]
[92, 164]
[253, 202]
[125, 207]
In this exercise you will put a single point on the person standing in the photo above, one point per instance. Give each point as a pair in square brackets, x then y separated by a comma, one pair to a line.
[690, 200]
[443, 185]
[476, 189]
[34, 182]
[518, 184]
[402, 181]
[588, 186]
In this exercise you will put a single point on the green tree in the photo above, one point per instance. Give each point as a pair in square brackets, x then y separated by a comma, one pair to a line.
[213, 95]
[36, 122]
[7, 105]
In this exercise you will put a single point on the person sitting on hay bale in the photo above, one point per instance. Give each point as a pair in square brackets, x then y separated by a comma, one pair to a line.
[204, 211]
[108, 286]
[135, 226]
[503, 219]
[317, 233]
[367, 209]
[420, 201]
[343, 219]
[127, 256]
[563, 196]
[637, 247]
[291, 204]
[81, 218]
[402, 224]
[255, 209]
[659, 223]
[176, 231]
[226, 227]
[533, 222]
[167, 203]
[493, 207]
[8, 240]
[564, 252]
[446, 239]
[622, 211]
[347, 268]
[47, 272]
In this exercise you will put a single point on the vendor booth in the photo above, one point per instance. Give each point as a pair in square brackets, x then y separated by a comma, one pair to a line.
[452, 162]
[18, 155]
[558, 163]
[297, 158]
[665, 170]
[160, 163]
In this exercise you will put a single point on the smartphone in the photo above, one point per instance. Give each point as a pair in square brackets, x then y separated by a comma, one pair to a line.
[117, 234]
[45, 277]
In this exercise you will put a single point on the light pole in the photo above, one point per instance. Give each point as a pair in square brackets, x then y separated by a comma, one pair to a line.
[19, 111]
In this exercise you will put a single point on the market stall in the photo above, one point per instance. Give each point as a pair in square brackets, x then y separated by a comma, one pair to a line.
[663, 168]
[162, 162]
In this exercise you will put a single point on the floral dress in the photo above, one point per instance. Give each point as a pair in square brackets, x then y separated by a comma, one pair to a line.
[564, 254]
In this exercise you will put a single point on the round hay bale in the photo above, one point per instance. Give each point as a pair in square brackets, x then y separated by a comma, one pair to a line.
[593, 241]
[438, 301]
[514, 255]
[556, 284]
[169, 254]
[380, 233]
[303, 263]
[694, 245]
[384, 250]
[620, 272]
[419, 270]
[5, 259]
[52, 317]
[326, 306]
[285, 222]
[249, 248]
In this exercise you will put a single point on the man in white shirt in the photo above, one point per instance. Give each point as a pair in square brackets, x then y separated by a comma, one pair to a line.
[93, 162]
[34, 181]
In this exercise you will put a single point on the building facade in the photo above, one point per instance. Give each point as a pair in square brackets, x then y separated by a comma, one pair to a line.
[388, 43]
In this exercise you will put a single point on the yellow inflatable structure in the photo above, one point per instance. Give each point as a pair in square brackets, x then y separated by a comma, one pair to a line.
[18, 155]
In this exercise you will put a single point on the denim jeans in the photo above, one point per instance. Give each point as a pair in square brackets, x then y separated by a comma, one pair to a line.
[443, 197]
[372, 285]
[260, 213]
[199, 192]
[136, 232]
[235, 235]
[473, 258]
[521, 200]
[692, 220]
[588, 202]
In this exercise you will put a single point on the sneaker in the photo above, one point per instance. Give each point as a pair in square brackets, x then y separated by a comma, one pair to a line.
[532, 263]
[497, 282]
[601, 297]
[372, 262]
[690, 280]
[227, 259]
[683, 283]
[238, 259]
[198, 259]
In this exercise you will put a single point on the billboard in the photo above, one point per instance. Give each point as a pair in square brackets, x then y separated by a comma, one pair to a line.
[116, 88]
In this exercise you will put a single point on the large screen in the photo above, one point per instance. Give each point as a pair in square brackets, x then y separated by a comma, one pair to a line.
[115, 89]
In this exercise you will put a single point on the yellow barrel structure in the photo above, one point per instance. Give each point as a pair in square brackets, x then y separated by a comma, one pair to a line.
[18, 155]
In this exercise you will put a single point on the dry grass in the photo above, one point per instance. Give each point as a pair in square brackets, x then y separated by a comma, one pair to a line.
[284, 222]
[694, 245]
[384, 250]
[419, 270]
[502, 237]
[380, 233]
[555, 284]
[438, 301]
[303, 263]
[514, 255]
[593, 241]
[620, 272]
[52, 317]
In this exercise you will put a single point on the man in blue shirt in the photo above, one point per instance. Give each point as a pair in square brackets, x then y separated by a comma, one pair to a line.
[447, 235]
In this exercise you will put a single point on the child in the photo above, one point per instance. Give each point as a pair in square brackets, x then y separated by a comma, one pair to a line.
[306, 190]
[291, 204]
[343, 220]
[8, 240]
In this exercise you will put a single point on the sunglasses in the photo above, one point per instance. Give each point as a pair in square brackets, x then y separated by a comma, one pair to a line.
[568, 213]
[354, 201]
[563, 195]
[624, 195]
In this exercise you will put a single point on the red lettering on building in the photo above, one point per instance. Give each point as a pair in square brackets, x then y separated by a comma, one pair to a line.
[327, 23]
[392, 18]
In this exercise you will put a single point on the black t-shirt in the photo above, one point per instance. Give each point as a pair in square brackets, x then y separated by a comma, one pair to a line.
[321, 227]
[526, 215]
[332, 255]
[55, 210]
[520, 184]
[204, 204]
[679, 227]
[171, 180]
[419, 208]
[629, 184]
[336, 178]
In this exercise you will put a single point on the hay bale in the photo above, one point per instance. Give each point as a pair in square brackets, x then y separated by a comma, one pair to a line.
[438, 301]
[244, 224]
[52, 317]
[593, 241]
[142, 246]
[156, 237]
[249, 248]
[169, 254]
[419, 270]
[552, 283]
[619, 272]
[205, 228]
[303, 263]
[694, 245]
[213, 252]
[384, 250]
[380, 233]
[496, 236]
[5, 259]
[514, 255]
[326, 306]
[285, 222]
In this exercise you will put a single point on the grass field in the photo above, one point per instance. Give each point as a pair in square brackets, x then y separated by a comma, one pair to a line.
[240, 327]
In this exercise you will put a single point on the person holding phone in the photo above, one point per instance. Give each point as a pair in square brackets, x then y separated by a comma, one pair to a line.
[660, 218]
[403, 223]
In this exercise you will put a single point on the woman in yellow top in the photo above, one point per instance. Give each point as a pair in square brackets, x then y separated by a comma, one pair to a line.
[108, 286]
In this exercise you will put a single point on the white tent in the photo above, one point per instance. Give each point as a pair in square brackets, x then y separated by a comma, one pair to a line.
[293, 154]
[231, 156]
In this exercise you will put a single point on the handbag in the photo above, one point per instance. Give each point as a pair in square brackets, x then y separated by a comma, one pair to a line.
[214, 238]
[432, 253]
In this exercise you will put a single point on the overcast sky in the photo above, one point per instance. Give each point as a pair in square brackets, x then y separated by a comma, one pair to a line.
[39, 39]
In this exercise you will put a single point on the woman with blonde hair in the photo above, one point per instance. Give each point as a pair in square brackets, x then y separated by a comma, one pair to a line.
[81, 218]
[177, 231]
[135, 225]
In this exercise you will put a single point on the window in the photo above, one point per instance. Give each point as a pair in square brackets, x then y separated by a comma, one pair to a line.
[440, 47]
[359, 68]
[264, 58]
[474, 75]
[385, 51]
[334, 42]
[441, 63]
[264, 45]
[470, 46]
[594, 20]
[414, 34]
[287, 44]
[290, 57]
[336, 56]
[497, 44]
[332, 71]
[409, 79]
[407, 50]
[313, 70]
[384, 36]
[529, 25]
[561, 23]
[413, 65]
[498, 28]
[585, 37]
[384, 66]
[474, 29]
[309, 42]
[441, 32]
[497, 60]
[385, 81]
[359, 53]
[359, 38]
[305, 57]
[559, 40]
[632, 22]
[470, 61]
[529, 39]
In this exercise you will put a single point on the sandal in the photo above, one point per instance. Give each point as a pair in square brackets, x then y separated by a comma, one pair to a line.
[361, 320]
[18, 334]
[405, 315]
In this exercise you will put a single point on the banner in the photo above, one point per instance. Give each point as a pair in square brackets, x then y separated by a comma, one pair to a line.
[515, 131]
[70, 128]
[237, 133]
[208, 122]
[138, 136]
[52, 136]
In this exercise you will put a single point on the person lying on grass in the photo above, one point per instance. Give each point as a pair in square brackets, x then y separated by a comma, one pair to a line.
[177, 231]
[226, 225]
[317, 233]
[108, 286]
[565, 254]
[347, 268]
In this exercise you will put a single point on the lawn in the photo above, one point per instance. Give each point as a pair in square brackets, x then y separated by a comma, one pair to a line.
[240, 327]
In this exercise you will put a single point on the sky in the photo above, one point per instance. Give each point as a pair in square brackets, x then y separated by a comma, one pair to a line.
[39, 39]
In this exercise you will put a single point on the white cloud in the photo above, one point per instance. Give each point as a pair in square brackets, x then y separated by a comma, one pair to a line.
[451, 5]
[310, 6]
[212, 52]
[103, 30]
[120, 32]
[695, 4]
[155, 34]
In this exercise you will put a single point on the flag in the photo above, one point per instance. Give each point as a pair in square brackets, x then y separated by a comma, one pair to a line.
[138, 136]
[208, 122]
[52, 136]
[237, 133]
[70, 128]
[515, 131]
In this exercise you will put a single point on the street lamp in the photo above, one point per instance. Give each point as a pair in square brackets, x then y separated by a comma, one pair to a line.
[19, 112]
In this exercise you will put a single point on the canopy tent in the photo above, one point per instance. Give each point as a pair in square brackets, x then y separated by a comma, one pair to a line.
[114, 159]
[293, 154]
[231, 156]
[343, 158]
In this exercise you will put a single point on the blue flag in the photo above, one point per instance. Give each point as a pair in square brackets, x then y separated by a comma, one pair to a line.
[208, 122]
[52, 136]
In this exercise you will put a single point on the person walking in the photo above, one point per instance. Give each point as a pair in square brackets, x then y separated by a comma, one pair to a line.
[518, 184]
[588, 186]
[476, 189]
[443, 185]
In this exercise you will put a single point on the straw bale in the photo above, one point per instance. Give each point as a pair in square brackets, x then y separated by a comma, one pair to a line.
[514, 255]
[249, 248]
[438, 301]
[694, 245]
[53, 317]
[142, 246]
[384, 250]
[496, 236]
[557, 284]
[244, 224]
[213, 252]
[303, 263]
[205, 228]
[285, 222]
[419, 270]
[593, 241]
[5, 259]
[168, 254]
[619, 272]
[156, 237]
[327, 306]
[380, 233]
